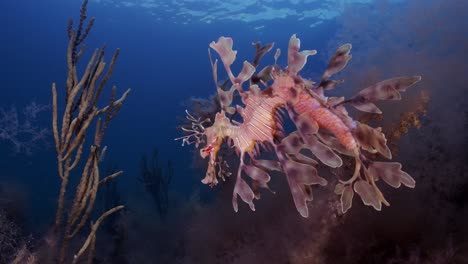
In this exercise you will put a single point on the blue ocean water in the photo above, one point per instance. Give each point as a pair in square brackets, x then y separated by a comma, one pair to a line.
[164, 60]
[165, 63]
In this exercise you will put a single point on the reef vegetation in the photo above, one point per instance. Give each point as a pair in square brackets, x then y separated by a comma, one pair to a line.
[66, 241]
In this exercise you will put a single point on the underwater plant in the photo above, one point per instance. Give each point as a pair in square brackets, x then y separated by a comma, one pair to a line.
[11, 239]
[22, 130]
[81, 109]
[157, 181]
[323, 128]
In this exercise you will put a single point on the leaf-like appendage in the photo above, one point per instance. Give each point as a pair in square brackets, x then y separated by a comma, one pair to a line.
[367, 194]
[265, 74]
[308, 193]
[299, 197]
[261, 51]
[277, 54]
[214, 68]
[256, 174]
[323, 153]
[333, 143]
[268, 165]
[347, 198]
[303, 173]
[339, 188]
[245, 192]
[299, 176]
[210, 176]
[291, 144]
[307, 128]
[260, 178]
[366, 107]
[301, 158]
[247, 72]
[230, 110]
[224, 49]
[332, 101]
[391, 173]
[294, 142]
[329, 84]
[386, 90]
[225, 97]
[296, 59]
[372, 140]
[338, 61]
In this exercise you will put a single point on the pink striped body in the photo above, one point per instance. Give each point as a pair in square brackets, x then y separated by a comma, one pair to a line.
[259, 122]
[325, 119]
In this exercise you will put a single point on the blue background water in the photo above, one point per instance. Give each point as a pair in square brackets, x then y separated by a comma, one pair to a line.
[164, 63]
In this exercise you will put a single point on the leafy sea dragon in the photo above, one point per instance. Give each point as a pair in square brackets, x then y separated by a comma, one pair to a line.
[322, 123]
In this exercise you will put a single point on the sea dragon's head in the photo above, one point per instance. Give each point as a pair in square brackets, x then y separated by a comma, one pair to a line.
[212, 139]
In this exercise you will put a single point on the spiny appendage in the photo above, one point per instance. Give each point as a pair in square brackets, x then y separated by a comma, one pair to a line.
[195, 133]
[323, 127]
